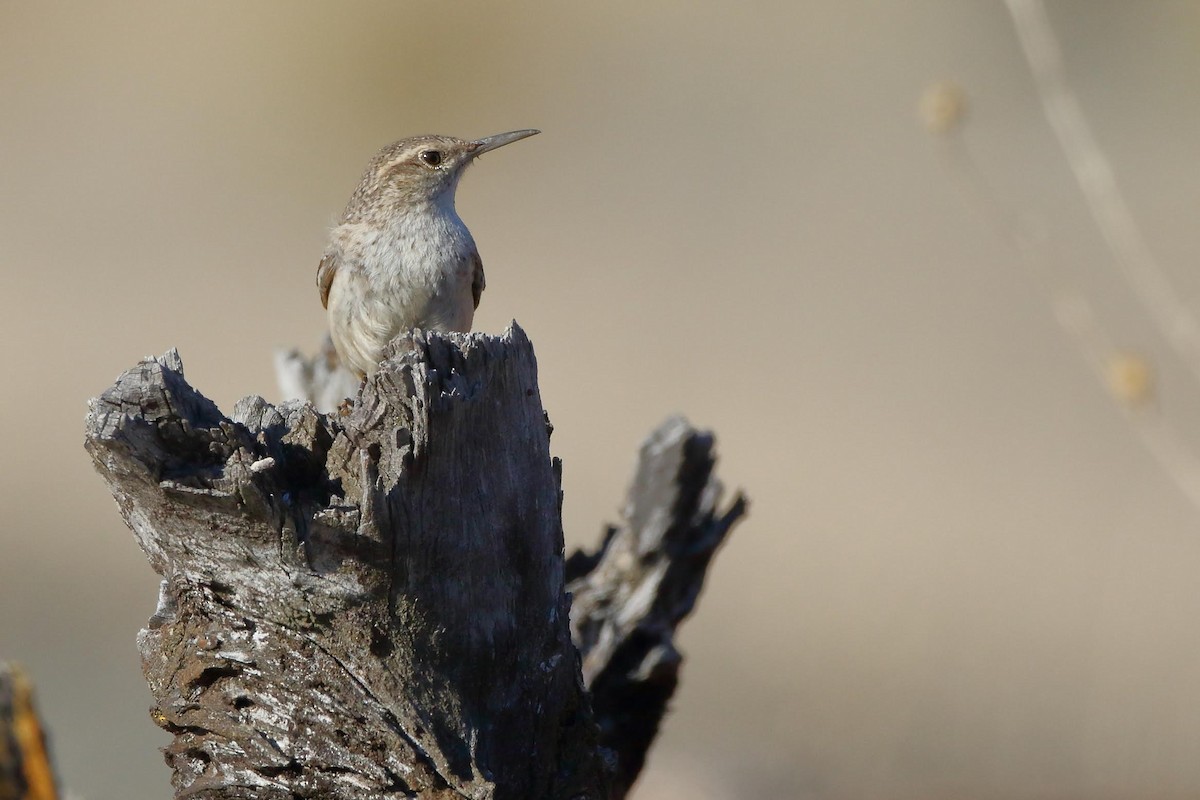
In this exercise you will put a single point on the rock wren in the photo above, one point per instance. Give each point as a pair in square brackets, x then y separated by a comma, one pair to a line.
[401, 258]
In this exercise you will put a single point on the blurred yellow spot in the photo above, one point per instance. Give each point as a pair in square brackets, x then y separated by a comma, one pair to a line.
[1130, 379]
[25, 730]
[943, 107]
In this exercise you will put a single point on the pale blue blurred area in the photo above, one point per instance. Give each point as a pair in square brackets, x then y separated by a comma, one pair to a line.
[963, 574]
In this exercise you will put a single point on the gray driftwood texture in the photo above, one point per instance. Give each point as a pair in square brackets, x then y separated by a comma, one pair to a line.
[372, 603]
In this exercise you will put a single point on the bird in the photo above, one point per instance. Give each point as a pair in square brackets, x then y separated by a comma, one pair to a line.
[401, 258]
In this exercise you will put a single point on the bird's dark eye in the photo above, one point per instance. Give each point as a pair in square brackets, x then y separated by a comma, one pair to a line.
[431, 157]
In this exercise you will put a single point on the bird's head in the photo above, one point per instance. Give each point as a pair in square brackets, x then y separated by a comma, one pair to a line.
[423, 169]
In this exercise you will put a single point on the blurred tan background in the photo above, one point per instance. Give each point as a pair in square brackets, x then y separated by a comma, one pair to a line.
[969, 571]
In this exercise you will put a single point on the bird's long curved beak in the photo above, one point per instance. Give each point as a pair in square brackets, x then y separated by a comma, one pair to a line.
[481, 146]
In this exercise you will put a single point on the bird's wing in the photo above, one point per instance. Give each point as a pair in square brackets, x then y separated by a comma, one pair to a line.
[477, 280]
[325, 272]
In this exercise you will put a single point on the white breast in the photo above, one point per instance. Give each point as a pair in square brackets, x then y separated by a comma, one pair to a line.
[415, 273]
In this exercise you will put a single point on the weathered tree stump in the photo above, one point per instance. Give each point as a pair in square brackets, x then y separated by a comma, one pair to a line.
[372, 603]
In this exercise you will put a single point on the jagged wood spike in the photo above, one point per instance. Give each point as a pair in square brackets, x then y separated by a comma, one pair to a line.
[631, 596]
